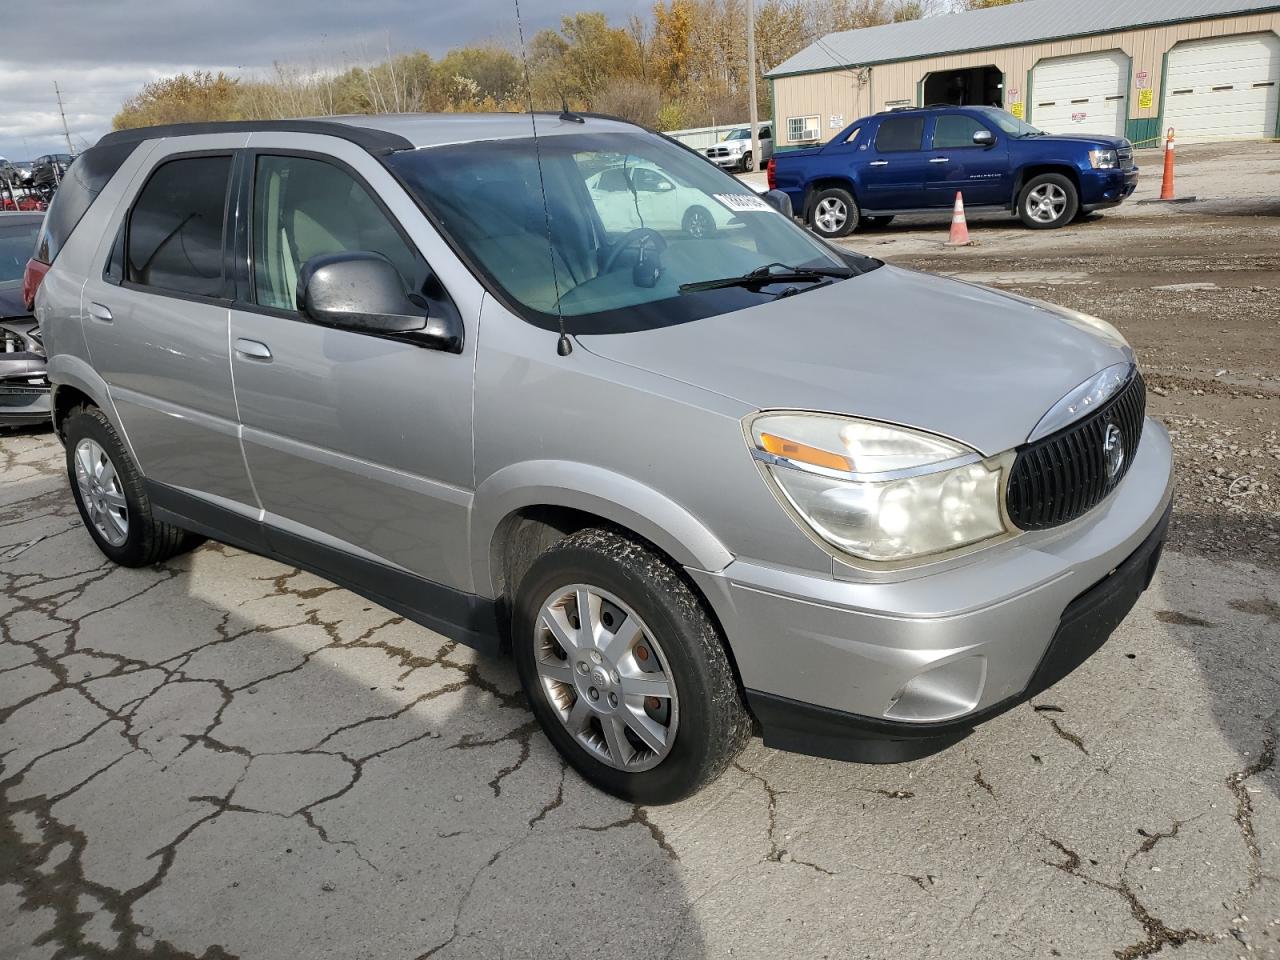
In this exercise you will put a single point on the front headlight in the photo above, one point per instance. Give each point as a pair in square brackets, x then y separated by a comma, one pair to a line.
[1103, 159]
[880, 493]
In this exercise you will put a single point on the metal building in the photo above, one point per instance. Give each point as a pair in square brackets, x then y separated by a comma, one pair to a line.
[1209, 68]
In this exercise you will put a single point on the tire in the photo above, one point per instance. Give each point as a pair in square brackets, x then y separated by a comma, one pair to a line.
[874, 223]
[142, 540]
[666, 637]
[1048, 201]
[748, 163]
[699, 223]
[833, 213]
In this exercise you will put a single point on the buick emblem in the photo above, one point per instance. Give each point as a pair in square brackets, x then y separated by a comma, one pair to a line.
[1113, 450]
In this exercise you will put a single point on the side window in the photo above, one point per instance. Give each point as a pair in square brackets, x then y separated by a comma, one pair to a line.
[175, 230]
[613, 180]
[953, 130]
[899, 134]
[302, 208]
[650, 181]
[766, 133]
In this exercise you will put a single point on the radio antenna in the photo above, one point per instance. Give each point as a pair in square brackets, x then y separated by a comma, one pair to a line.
[564, 346]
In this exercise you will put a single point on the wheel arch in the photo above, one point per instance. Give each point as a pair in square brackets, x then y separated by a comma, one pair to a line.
[523, 508]
[74, 384]
[818, 184]
[1031, 170]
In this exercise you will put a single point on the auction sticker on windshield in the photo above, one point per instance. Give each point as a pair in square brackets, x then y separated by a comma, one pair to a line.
[743, 203]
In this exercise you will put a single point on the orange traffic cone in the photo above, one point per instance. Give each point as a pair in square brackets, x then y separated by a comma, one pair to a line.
[1166, 185]
[959, 226]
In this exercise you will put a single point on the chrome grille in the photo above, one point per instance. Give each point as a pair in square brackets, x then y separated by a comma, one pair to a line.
[1066, 474]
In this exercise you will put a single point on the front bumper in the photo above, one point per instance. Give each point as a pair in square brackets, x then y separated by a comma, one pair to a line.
[830, 665]
[25, 401]
[1107, 188]
[732, 162]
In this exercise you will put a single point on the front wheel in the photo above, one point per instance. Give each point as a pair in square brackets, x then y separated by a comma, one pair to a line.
[748, 162]
[834, 213]
[1048, 201]
[698, 222]
[624, 669]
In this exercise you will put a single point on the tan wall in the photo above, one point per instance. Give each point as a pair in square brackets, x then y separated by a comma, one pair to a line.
[853, 93]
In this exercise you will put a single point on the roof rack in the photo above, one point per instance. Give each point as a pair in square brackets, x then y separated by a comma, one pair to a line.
[373, 140]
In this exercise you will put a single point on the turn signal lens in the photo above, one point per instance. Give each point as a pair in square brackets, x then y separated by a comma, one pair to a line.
[803, 453]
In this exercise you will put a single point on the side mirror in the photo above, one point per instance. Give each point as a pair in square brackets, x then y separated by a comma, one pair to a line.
[362, 292]
[984, 138]
[779, 201]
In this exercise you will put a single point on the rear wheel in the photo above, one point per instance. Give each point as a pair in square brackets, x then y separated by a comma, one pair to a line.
[1047, 201]
[624, 669]
[112, 500]
[834, 213]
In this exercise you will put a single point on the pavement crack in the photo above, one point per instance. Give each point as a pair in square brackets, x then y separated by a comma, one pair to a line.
[1068, 736]
[641, 817]
[1236, 783]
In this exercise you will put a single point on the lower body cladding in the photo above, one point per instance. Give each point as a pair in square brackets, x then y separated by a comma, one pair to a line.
[887, 671]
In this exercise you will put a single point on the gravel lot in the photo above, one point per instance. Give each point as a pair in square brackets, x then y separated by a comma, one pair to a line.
[223, 757]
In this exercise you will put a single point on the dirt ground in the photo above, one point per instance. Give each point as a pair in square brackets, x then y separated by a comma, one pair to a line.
[1195, 288]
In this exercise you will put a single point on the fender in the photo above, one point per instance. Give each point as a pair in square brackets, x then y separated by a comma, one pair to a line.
[579, 486]
[68, 370]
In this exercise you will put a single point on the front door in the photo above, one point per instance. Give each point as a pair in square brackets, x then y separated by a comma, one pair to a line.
[156, 326]
[956, 164]
[355, 443]
[895, 168]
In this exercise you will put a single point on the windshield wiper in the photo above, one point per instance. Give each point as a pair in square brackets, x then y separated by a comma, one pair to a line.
[771, 273]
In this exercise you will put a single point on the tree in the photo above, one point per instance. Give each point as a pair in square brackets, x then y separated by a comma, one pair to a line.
[183, 98]
[984, 4]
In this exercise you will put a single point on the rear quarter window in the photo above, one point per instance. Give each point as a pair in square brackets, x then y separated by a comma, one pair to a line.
[83, 182]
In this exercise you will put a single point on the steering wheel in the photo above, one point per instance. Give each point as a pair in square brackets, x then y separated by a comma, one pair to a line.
[641, 236]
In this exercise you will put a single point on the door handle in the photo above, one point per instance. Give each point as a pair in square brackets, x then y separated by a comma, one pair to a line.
[100, 313]
[252, 349]
[940, 160]
[878, 163]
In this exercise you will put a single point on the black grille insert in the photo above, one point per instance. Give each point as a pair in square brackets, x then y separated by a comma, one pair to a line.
[1066, 474]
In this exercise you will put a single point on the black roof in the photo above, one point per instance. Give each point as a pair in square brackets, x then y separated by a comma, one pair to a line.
[374, 141]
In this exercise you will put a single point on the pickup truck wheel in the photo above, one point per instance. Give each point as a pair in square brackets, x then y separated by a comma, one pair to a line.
[1048, 201]
[624, 669]
[748, 163]
[112, 500]
[834, 213]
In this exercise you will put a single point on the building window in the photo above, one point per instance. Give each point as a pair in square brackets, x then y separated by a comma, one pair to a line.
[802, 128]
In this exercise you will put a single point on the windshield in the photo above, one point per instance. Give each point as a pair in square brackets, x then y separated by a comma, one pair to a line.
[739, 135]
[1010, 124]
[629, 219]
[17, 241]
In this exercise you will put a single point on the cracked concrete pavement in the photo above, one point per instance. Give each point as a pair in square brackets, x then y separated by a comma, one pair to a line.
[223, 757]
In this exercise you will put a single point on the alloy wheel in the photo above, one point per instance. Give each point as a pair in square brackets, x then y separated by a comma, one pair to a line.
[101, 492]
[830, 215]
[606, 678]
[1046, 203]
[699, 223]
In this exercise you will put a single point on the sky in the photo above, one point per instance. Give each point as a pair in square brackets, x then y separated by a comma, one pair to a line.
[100, 52]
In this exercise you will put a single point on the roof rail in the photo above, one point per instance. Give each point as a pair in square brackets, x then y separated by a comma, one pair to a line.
[373, 140]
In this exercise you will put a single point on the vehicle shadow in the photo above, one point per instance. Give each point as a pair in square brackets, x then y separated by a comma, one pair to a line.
[1225, 613]
[220, 756]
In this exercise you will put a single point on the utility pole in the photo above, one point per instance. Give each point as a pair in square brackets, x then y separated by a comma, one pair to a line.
[65, 132]
[751, 84]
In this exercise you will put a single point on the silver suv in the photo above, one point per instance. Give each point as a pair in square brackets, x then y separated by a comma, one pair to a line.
[696, 483]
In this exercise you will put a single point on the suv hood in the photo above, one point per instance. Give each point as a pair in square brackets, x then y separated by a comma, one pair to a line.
[964, 361]
[1089, 140]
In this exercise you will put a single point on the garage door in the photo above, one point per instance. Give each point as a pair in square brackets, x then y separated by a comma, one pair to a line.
[1223, 89]
[1084, 94]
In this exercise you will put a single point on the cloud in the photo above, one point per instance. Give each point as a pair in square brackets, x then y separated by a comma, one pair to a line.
[101, 53]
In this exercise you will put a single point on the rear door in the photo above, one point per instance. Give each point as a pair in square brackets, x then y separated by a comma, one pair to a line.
[979, 172]
[358, 446]
[156, 323]
[895, 167]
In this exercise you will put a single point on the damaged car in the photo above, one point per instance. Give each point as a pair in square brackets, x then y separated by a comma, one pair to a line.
[24, 381]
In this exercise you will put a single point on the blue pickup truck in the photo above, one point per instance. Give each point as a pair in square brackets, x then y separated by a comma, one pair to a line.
[915, 161]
